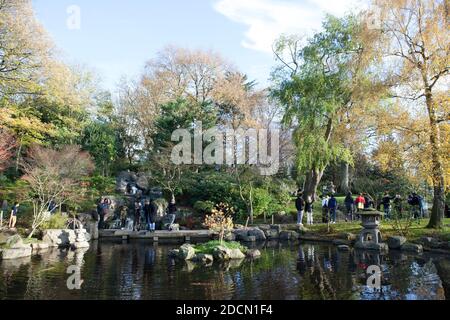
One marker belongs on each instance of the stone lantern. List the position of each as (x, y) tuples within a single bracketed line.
[(370, 236)]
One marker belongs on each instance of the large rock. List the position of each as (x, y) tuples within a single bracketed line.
[(236, 254), (39, 246), (222, 253), (14, 242), (175, 253), (272, 234), (92, 229), (17, 253), (142, 181), (59, 237), (187, 252), (258, 234), (240, 234), (412, 247), (395, 242), (80, 241), (372, 246), (253, 253), (288, 235), (204, 258)]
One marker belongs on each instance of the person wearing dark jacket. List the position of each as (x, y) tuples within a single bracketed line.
[(150, 211), (300, 206), (349, 205), (332, 205)]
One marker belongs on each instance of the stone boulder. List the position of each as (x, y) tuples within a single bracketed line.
[(253, 253), (92, 229), (372, 246), (59, 237), (222, 253), (236, 254), (39, 246), (16, 253), (14, 242), (412, 247), (240, 234), (395, 242), (80, 241), (272, 234), (258, 234), (186, 252), (203, 258), (288, 235), (175, 253)]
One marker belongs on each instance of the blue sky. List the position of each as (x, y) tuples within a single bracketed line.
[(117, 37)]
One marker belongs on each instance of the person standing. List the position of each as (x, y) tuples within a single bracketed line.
[(332, 206), (349, 205), (398, 206), (325, 211), (3, 211), (360, 202), (300, 206), (13, 217), (309, 211), (386, 201), (137, 215), (148, 215)]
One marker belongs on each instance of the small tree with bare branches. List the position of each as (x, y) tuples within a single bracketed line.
[(54, 177)]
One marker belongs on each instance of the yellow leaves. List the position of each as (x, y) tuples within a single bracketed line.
[(27, 128), (218, 220)]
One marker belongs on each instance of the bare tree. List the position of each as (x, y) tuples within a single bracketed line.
[(54, 178)]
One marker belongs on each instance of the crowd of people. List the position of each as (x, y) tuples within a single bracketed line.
[(353, 206), (143, 215)]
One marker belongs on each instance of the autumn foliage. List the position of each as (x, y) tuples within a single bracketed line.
[(220, 220), (7, 146)]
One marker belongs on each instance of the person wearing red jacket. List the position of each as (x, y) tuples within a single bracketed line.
[(360, 202)]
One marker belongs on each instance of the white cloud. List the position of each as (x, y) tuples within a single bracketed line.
[(268, 19)]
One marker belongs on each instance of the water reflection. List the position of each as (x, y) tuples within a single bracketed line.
[(140, 270)]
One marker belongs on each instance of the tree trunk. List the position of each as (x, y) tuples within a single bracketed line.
[(344, 185), (312, 181), (437, 213)]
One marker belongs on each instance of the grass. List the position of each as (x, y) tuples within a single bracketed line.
[(208, 247), (417, 230)]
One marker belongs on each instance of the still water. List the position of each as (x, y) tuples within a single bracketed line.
[(139, 270)]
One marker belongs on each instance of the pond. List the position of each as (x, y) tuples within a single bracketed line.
[(285, 271)]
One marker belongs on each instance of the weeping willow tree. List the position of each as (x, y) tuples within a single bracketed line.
[(315, 83)]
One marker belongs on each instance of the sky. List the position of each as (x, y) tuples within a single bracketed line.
[(115, 38)]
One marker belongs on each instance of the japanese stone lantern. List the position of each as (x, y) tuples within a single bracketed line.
[(370, 236)]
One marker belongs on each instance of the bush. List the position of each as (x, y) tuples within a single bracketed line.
[(56, 221), (208, 248), (203, 207)]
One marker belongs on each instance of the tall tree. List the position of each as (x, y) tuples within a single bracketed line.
[(414, 37), (317, 84)]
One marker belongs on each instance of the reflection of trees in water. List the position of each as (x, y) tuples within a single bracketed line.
[(140, 270)]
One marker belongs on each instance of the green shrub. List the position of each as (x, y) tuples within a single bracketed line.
[(208, 248), (203, 207), (56, 221)]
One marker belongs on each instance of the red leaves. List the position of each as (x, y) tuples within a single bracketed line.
[(7, 145)]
